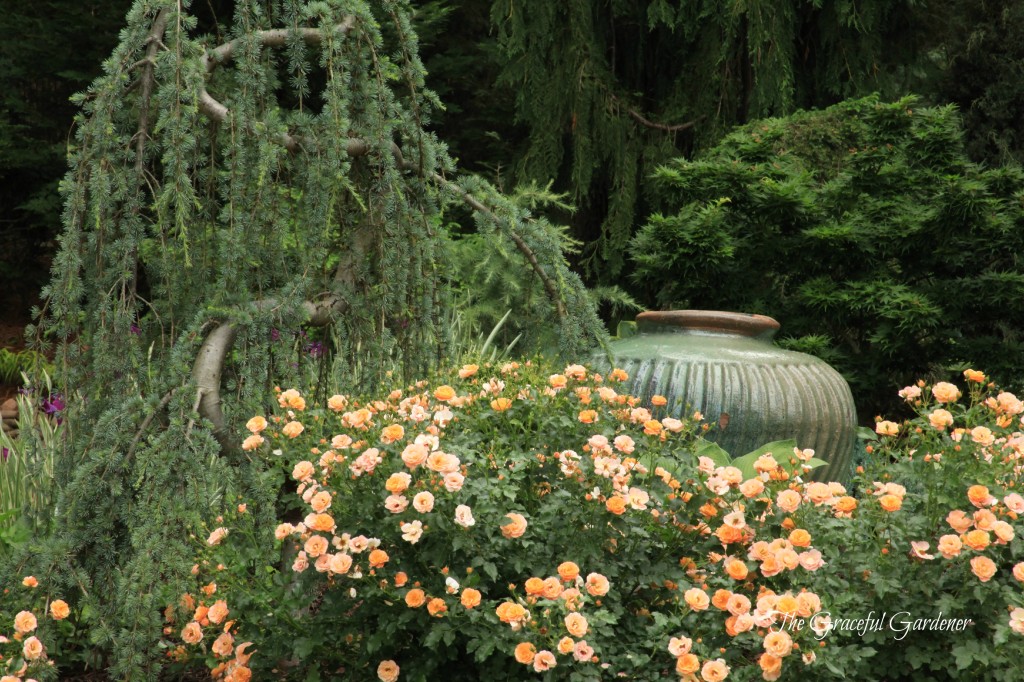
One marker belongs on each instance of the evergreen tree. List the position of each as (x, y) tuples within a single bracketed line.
[(864, 228), (270, 173), (608, 90)]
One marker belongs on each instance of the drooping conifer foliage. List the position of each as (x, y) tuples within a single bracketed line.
[(233, 182), (607, 90)]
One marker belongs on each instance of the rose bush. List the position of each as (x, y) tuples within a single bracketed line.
[(506, 522), (516, 522)]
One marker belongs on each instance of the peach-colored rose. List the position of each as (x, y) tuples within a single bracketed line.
[(1014, 503), (771, 666), (751, 488), (974, 375), (192, 633), (810, 561), (32, 649), (959, 521), (315, 545), (59, 609), (945, 392), (216, 536), (597, 585), (464, 516), (337, 403), (468, 371), (714, 671), (256, 424), (1018, 571), (303, 471), (983, 567), (616, 504), (1003, 531), (25, 622), (887, 428), (544, 660), (398, 482), (470, 598), (567, 571), (890, 503), (910, 393), (387, 671), (320, 522), (437, 607), (737, 604), (252, 442), (788, 500), (218, 612), (736, 569), (949, 546), (525, 652), (339, 563), (414, 455), (444, 393), (423, 502), (415, 598), (576, 624), (501, 404), (677, 646), (940, 419), (800, 538), (976, 539), (982, 435), (292, 429), (778, 643), (980, 496), (377, 558), (687, 664), (583, 652), (391, 433), (29, 581), (697, 599), (396, 504), (224, 645), (516, 526), (510, 612)]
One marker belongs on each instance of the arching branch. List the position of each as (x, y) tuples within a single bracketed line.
[(209, 364), (661, 126)]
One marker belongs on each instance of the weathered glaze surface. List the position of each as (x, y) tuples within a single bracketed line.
[(725, 366)]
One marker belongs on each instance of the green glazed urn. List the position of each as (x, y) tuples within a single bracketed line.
[(725, 366)]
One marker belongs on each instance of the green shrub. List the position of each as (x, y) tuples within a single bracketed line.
[(712, 566), (863, 228)]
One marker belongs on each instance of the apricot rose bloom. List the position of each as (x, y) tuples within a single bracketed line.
[(470, 598), (292, 429), (945, 392), (256, 424), (516, 527), (714, 671), (949, 546), (192, 633), (525, 653), (788, 500), (444, 393), (544, 660), (697, 599), (387, 671), (940, 419), (415, 598), (25, 622), (983, 567), (567, 571), (597, 585), (887, 428), (59, 609), (687, 664), (576, 624), (218, 612), (32, 649)]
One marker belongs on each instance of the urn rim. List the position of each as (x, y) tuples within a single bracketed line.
[(714, 321)]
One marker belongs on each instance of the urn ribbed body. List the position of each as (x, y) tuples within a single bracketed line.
[(725, 366)]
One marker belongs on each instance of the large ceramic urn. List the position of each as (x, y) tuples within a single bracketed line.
[(726, 366)]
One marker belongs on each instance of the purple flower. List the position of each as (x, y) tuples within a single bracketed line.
[(315, 349), (4, 455), (54, 404), (274, 335), (135, 329)]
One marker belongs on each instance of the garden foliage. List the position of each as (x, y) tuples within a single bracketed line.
[(251, 197), (516, 521), (862, 227)]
